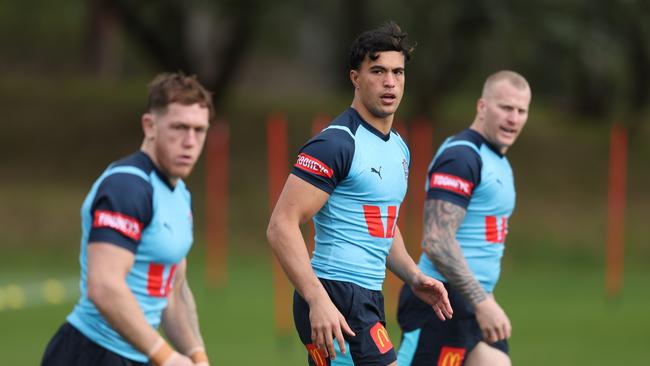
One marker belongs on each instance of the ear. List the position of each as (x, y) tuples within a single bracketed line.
[(354, 78), (148, 126), (480, 107)]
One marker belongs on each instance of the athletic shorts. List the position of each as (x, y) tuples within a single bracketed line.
[(363, 309), (69, 347), (426, 340)]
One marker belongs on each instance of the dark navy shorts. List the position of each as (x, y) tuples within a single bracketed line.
[(426, 340), (363, 309), (69, 347)]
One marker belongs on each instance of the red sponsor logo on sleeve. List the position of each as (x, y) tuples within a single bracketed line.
[(451, 356), (126, 225), (312, 165), (451, 183), (380, 336), (316, 355)]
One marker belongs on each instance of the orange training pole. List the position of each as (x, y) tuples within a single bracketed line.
[(217, 179), (277, 146), (421, 145), (616, 212)]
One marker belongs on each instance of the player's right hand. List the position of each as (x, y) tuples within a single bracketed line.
[(176, 359), (327, 322), (492, 320)]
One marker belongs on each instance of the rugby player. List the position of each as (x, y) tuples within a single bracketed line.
[(136, 232), (470, 197), (351, 179)]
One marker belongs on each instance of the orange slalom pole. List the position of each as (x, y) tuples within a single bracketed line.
[(421, 145), (277, 152), (616, 212), (217, 180)]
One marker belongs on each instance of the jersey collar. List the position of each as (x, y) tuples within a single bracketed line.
[(486, 142), (368, 126), (159, 173)]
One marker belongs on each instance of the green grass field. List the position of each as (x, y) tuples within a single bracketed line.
[(559, 313), (552, 285)]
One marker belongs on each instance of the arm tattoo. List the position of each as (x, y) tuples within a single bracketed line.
[(441, 221)]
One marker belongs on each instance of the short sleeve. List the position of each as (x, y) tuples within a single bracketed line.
[(325, 160), (121, 210), (454, 175)]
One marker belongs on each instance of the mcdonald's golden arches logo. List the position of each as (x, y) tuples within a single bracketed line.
[(451, 356), (316, 354), (380, 336)]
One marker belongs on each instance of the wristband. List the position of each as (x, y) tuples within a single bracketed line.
[(160, 352), (197, 354)]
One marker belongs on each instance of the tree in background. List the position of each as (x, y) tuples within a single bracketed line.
[(206, 38), (592, 57)]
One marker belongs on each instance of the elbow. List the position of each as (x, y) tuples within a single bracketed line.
[(278, 232), (95, 292), (431, 247), (99, 289), (273, 233)]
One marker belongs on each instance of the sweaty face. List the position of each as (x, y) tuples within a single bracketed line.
[(178, 136), (380, 83), (502, 114)]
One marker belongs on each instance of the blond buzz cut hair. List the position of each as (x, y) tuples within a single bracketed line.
[(515, 79)]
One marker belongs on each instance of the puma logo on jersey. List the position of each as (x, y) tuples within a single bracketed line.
[(378, 172)]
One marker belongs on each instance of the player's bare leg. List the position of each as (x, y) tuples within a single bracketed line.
[(483, 355)]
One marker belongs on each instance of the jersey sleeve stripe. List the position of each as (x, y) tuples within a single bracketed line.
[(451, 183), (342, 128), (124, 224), (310, 164)]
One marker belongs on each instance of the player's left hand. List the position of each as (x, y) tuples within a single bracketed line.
[(432, 292)]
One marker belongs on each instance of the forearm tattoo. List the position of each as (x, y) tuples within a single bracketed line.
[(441, 221)]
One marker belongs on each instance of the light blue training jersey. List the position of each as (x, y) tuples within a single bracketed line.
[(365, 173), (471, 173), (133, 205)]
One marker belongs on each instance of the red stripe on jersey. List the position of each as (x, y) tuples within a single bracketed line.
[(155, 280), (392, 214), (373, 220), (124, 224), (492, 232), (491, 229), (451, 183), (170, 278), (312, 165)]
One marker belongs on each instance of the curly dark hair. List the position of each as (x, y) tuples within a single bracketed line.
[(388, 37)]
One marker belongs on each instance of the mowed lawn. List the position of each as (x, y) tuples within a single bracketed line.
[(559, 313)]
